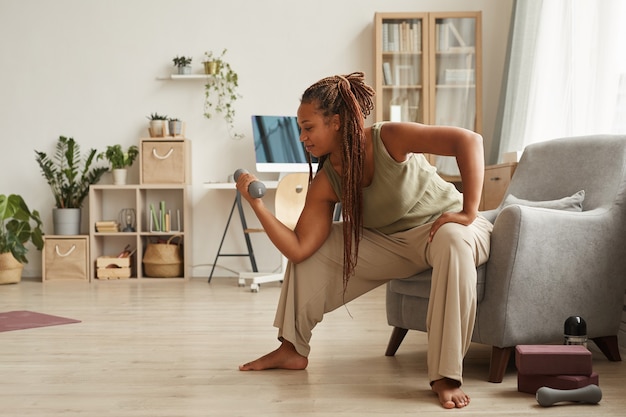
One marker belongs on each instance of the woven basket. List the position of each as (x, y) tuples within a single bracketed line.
[(163, 259), (10, 269)]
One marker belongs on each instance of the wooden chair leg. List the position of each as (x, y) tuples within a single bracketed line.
[(397, 336), (499, 361), (609, 346)]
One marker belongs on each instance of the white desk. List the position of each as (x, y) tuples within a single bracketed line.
[(270, 185)]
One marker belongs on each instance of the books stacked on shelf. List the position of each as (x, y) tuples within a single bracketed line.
[(402, 36), (110, 226), (459, 76), (162, 220)]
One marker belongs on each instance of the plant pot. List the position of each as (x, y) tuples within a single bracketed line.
[(119, 176), (175, 127), (211, 67), (10, 269), (66, 221), (186, 70), (158, 128)]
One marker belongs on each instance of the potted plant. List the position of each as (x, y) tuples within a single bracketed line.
[(17, 229), (183, 64), (175, 126), (158, 125), (220, 90), (119, 161), (69, 176)]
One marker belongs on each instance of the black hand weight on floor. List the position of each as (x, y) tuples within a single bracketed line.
[(256, 188), (591, 394)]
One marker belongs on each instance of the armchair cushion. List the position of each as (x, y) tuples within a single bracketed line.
[(571, 203)]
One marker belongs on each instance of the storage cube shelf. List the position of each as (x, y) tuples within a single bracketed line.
[(165, 167), (106, 203)]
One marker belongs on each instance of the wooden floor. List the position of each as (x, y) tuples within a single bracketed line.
[(171, 348)]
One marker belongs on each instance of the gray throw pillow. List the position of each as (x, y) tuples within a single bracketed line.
[(571, 203)]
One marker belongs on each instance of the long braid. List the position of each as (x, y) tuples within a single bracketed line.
[(350, 98)]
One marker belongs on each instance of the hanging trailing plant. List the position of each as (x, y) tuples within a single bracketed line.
[(220, 90)]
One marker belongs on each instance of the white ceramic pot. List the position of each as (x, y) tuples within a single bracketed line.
[(119, 176)]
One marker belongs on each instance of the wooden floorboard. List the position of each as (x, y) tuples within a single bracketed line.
[(171, 348)]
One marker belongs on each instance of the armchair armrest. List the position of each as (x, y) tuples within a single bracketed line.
[(546, 265)]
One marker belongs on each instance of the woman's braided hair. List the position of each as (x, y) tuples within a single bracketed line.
[(349, 97)]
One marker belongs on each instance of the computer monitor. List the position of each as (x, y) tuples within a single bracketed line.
[(277, 145)]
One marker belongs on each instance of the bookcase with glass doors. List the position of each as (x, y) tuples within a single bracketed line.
[(428, 70)]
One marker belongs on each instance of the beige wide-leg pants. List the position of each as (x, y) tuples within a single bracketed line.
[(315, 286)]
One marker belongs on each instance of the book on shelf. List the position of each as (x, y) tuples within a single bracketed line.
[(404, 36), (449, 39), (107, 226), (387, 80), (162, 220)]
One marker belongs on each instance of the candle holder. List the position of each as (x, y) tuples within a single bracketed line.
[(127, 219)]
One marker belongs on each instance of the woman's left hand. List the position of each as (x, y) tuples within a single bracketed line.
[(450, 217)]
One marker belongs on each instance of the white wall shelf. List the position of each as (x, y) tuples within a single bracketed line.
[(184, 77)]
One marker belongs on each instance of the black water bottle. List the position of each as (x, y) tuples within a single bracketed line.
[(575, 331)]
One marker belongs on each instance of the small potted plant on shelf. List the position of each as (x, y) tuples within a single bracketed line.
[(183, 64), (175, 126), (220, 90), (158, 125), (17, 229), (119, 161), (69, 176)]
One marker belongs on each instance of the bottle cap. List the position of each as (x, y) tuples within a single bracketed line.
[(575, 326)]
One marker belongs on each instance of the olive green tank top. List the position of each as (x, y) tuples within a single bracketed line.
[(402, 195)]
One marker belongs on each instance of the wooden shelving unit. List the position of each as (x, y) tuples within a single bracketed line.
[(107, 201)]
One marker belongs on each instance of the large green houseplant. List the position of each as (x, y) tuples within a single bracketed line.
[(69, 175), (19, 226), (220, 90)]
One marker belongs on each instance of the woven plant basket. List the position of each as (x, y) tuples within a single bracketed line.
[(10, 269), (163, 259)]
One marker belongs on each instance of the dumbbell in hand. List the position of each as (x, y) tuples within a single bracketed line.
[(256, 188), (591, 394)]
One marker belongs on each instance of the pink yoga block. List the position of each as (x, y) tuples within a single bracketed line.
[(531, 383), (553, 360)]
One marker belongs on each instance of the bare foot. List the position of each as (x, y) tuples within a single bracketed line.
[(450, 394), (285, 357)]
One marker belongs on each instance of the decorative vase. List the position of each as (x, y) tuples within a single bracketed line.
[(10, 269), (66, 221), (211, 67), (119, 176)]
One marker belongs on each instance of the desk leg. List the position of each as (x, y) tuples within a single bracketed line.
[(244, 225)]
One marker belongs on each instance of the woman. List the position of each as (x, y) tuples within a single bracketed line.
[(399, 218)]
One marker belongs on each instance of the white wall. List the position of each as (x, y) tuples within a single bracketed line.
[(88, 69)]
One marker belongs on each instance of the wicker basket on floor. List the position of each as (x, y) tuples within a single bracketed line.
[(163, 259)]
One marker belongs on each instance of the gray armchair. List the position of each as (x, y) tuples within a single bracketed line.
[(546, 264)]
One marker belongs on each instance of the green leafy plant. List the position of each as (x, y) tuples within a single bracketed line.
[(156, 116), (220, 90), (118, 158), (18, 228), (69, 175), (182, 61)]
